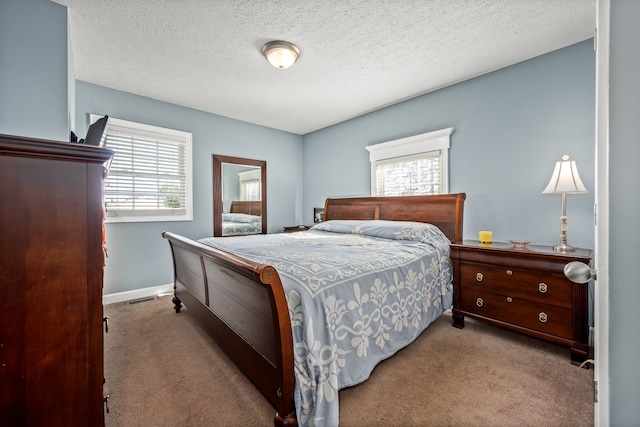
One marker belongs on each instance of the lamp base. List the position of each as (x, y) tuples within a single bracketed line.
[(563, 247)]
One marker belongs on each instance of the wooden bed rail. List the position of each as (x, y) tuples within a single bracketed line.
[(250, 315)]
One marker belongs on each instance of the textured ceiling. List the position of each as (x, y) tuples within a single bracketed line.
[(356, 55)]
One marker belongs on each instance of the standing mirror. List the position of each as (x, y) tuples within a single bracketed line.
[(239, 196)]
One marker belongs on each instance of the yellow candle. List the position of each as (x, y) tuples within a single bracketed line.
[(485, 236)]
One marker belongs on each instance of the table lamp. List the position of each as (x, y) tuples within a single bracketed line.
[(565, 180)]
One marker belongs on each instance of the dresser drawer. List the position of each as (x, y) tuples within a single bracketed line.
[(518, 283), (545, 318)]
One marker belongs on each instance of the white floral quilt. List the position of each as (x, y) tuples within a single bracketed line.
[(357, 291)]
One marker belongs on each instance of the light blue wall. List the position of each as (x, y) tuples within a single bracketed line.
[(138, 256), (511, 126), (71, 84), (33, 69), (624, 200), (231, 183)]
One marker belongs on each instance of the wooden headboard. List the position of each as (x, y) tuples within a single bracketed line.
[(246, 207), (445, 211)]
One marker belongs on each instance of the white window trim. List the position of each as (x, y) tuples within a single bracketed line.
[(438, 140), (161, 133), (252, 175)]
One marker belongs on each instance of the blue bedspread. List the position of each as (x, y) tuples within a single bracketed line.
[(238, 223), (357, 291)]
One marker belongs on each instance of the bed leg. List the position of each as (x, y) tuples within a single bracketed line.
[(289, 420), (458, 320), (177, 304)]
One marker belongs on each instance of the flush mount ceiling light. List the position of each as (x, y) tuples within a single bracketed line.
[(281, 54)]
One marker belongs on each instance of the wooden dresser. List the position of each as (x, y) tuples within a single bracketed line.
[(524, 290), (51, 266)]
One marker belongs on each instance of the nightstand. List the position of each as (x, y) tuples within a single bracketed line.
[(524, 290), (294, 228)]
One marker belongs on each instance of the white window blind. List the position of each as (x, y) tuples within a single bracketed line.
[(250, 187), (409, 176), (417, 165), (149, 178), (250, 190)]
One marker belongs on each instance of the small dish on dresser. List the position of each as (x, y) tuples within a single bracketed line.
[(520, 244)]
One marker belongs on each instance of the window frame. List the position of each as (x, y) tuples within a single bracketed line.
[(164, 134), (247, 178), (413, 147)]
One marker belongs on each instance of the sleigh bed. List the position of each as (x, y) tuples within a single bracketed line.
[(247, 300)]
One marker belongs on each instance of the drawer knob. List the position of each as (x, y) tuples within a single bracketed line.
[(509, 272), (509, 299), (542, 287), (479, 277), (479, 302), (543, 317)]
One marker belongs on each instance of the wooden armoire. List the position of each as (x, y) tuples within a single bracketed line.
[(51, 267)]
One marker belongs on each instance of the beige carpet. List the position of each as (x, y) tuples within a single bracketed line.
[(162, 369)]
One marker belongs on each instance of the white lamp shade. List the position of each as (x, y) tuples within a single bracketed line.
[(565, 179), (281, 54)]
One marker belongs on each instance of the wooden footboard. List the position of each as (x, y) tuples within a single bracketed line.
[(241, 304)]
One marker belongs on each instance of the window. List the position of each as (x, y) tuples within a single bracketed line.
[(416, 165), (250, 185), (149, 177)]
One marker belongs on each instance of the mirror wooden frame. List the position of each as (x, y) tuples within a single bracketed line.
[(218, 207)]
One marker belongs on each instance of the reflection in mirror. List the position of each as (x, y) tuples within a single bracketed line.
[(239, 196)]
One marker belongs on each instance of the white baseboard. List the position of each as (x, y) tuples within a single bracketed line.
[(137, 294)]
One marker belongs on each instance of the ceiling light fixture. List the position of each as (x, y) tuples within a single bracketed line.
[(281, 54)]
